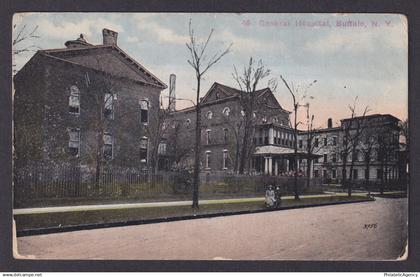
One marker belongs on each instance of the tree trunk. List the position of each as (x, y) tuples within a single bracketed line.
[(295, 181), (99, 151), (308, 172), (244, 149), (367, 173), (196, 177), (344, 171)]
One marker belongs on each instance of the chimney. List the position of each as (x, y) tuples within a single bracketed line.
[(109, 37), (329, 123), (172, 96)]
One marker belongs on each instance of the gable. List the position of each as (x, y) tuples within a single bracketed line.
[(270, 100), (108, 59), (214, 94)]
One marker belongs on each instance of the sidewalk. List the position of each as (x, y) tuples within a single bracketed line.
[(27, 211)]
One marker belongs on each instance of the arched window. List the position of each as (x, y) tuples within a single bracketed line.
[(74, 100), (109, 105), (188, 122), (144, 111), (209, 115), (226, 111)]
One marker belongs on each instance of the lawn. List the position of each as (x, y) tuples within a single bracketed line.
[(145, 214)]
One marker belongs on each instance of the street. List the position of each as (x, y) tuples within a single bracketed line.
[(373, 230)]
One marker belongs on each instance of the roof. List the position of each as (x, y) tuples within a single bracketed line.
[(371, 116), (117, 62), (279, 150), (229, 92)]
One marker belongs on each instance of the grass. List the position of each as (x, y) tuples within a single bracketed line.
[(62, 219)]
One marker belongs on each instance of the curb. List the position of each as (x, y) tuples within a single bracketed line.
[(71, 228)]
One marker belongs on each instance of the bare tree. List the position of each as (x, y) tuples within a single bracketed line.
[(296, 105), (351, 129), (310, 146), (200, 62), (248, 81), (22, 36), (368, 143), (157, 131)]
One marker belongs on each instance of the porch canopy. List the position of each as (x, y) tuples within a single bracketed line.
[(273, 159), (274, 150)]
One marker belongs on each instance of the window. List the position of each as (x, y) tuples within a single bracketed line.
[(275, 120), (162, 148), (242, 112), (225, 135), (208, 137), (225, 159), (74, 142), (226, 111), (334, 158), (143, 149), (108, 146), (265, 136), (316, 173), (264, 119), (300, 144), (144, 111), (208, 159), (188, 122), (334, 141), (355, 173), (334, 174), (316, 142), (325, 141), (109, 106), (366, 174), (324, 173), (325, 158), (74, 100), (379, 174), (209, 115)]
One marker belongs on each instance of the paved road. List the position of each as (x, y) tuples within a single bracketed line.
[(321, 233)]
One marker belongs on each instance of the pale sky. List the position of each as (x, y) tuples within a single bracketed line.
[(367, 59)]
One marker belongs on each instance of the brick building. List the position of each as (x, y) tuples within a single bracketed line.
[(83, 104), (273, 140), (222, 124), (377, 149)]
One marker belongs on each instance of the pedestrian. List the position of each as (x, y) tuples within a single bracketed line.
[(269, 197), (277, 194)]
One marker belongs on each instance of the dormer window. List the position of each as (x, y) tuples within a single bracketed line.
[(144, 111), (209, 115), (74, 100)]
